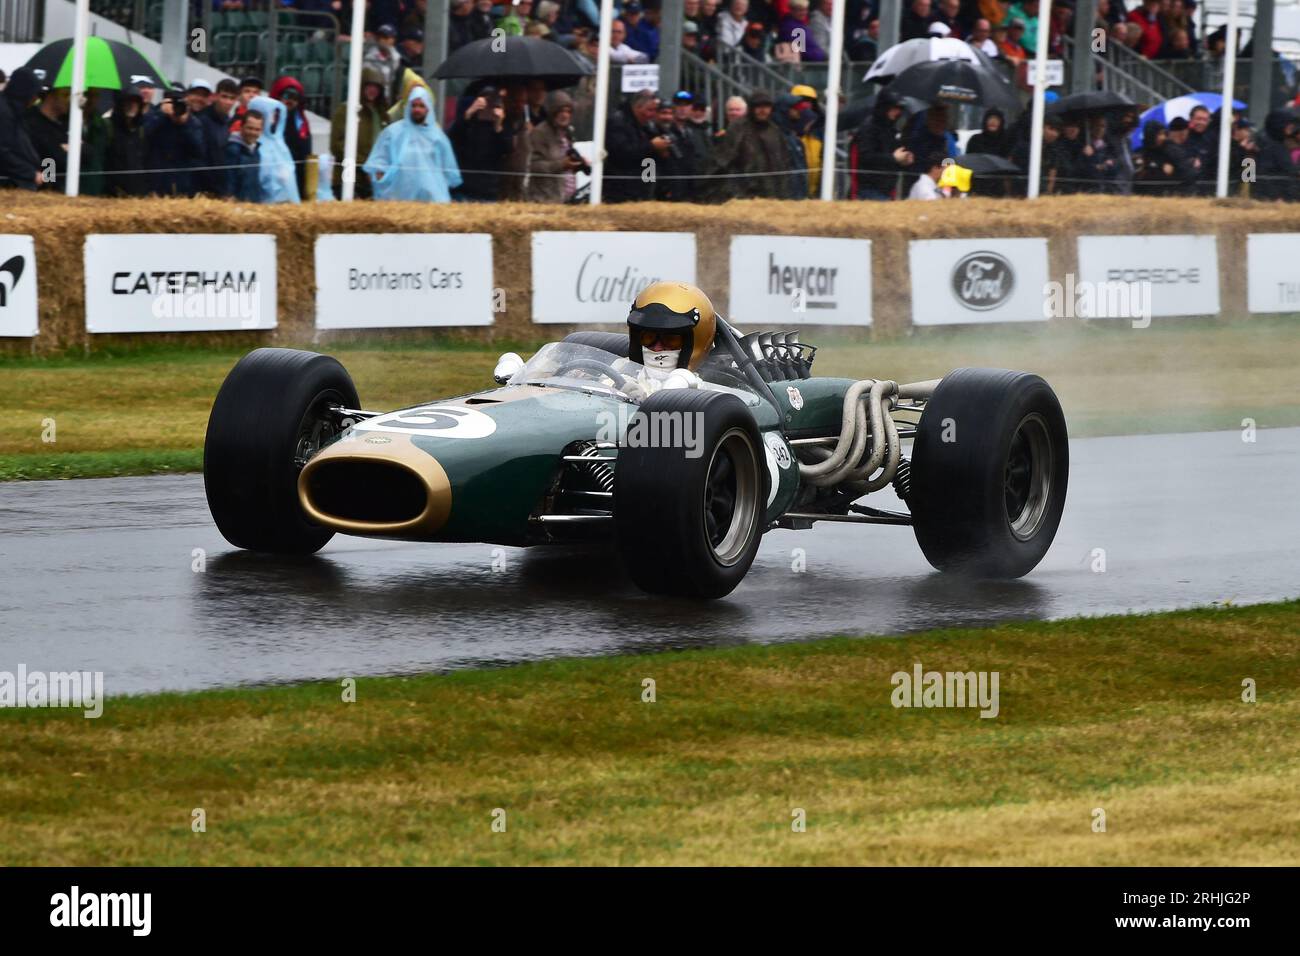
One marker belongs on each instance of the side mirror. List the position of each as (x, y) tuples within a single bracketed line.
[(507, 366)]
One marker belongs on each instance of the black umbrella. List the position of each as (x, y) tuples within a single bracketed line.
[(1092, 101), (515, 58), (956, 81), (986, 163)]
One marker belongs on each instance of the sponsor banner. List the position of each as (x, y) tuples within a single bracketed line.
[(17, 286), (959, 281), (403, 280), (788, 280), (1272, 272), (640, 76), (595, 276), (1181, 273), (180, 283)]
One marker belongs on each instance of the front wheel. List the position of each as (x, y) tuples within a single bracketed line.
[(271, 415), (690, 489), (989, 470)]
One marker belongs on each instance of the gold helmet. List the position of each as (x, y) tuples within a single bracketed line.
[(669, 309)]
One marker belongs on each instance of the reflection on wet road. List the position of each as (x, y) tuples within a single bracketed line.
[(98, 575)]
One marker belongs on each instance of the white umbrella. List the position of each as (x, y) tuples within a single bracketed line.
[(920, 50)]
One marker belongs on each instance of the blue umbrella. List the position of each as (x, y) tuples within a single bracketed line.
[(1182, 106)]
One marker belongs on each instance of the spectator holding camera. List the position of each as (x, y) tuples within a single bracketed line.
[(553, 163), (173, 146), (482, 143), (633, 147)]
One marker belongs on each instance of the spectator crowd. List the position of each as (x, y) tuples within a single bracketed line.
[(518, 141)]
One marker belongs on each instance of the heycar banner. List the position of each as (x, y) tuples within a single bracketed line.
[(180, 283), (1273, 272), (595, 276), (1176, 275), (789, 280), (17, 286), (403, 280), (961, 281)]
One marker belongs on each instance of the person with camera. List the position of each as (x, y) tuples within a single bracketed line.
[(482, 142), (174, 146), (553, 163), (635, 150)]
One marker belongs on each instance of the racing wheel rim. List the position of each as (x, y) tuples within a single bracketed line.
[(1027, 476), (316, 430), (731, 489)]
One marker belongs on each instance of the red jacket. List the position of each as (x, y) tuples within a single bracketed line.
[(1152, 37), (298, 125)]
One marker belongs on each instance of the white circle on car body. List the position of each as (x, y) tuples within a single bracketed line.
[(434, 421)]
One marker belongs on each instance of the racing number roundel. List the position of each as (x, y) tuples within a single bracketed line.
[(438, 421)]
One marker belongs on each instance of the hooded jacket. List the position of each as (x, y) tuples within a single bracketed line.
[(19, 161), (414, 161), (172, 150), (126, 148), (872, 169), (297, 130), (994, 143), (1277, 174), (549, 145), (371, 120), (277, 172), (760, 157)]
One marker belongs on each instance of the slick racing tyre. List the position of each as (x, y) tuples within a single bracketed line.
[(688, 514), (269, 418), (989, 468)]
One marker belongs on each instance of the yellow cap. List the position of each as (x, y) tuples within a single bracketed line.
[(804, 90)]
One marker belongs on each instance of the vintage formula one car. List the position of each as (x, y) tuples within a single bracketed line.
[(573, 445)]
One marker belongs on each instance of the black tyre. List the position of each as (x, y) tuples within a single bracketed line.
[(688, 520), (268, 419), (989, 470)]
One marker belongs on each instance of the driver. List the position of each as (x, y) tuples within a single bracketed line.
[(670, 332)]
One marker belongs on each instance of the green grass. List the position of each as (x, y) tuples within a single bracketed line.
[(146, 411), (1141, 717)]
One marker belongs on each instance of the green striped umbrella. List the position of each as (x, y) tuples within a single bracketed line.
[(110, 65)]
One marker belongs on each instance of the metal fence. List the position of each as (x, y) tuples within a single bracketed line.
[(21, 21)]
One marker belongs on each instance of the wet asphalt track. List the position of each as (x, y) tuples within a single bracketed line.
[(96, 575)]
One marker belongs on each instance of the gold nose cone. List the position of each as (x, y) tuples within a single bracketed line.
[(381, 450)]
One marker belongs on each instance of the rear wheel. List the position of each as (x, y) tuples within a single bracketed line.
[(270, 417), (988, 475), (688, 514)]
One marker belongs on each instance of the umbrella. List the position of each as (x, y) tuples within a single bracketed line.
[(919, 50), (853, 115), (956, 81), (513, 58), (110, 65), (986, 163), (1091, 102), (1180, 106)]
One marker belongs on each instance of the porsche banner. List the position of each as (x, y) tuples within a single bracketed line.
[(180, 283), (800, 280), (595, 276), (404, 280), (17, 286), (1174, 275)]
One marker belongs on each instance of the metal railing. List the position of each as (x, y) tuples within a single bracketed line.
[(21, 21)]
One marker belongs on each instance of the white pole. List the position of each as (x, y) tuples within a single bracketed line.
[(1225, 110), (831, 134), (1040, 81), (602, 101), (354, 100), (81, 28)]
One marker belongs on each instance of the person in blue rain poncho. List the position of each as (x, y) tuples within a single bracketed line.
[(279, 181), (413, 158)]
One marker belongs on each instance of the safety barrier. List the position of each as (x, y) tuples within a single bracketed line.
[(479, 272)]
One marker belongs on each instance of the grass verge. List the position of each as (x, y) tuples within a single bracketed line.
[(147, 411), (1141, 717)]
